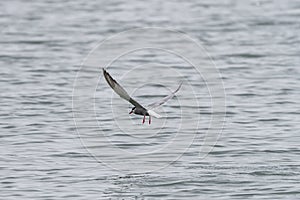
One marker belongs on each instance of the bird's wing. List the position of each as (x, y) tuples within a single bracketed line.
[(154, 114), (164, 100), (119, 89)]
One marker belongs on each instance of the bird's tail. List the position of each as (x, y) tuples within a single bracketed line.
[(154, 114)]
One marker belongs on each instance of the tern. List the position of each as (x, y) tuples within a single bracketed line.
[(138, 109)]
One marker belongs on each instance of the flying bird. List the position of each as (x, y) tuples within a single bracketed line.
[(138, 109)]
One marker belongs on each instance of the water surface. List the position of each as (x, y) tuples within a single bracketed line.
[(254, 44)]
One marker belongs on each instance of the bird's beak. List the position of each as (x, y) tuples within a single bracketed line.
[(130, 112)]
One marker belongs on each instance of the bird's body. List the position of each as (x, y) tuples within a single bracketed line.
[(141, 111), (138, 109)]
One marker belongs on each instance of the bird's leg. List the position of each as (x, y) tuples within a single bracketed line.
[(149, 119), (144, 119)]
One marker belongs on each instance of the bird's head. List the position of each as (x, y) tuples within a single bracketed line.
[(132, 110)]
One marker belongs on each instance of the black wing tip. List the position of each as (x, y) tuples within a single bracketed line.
[(109, 79), (180, 83), (106, 74)]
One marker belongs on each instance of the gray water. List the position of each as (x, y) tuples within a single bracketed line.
[(255, 46)]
